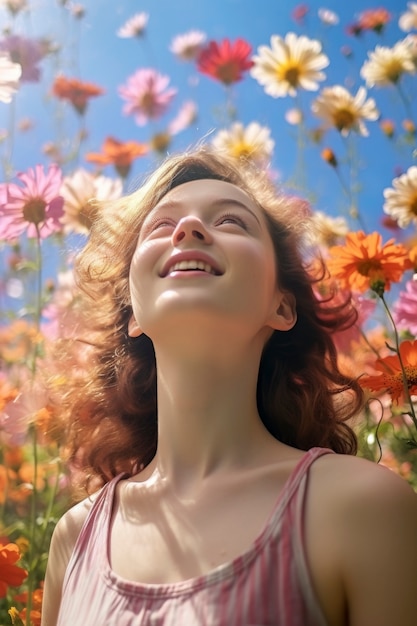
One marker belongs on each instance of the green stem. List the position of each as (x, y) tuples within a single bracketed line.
[(32, 558), (403, 372)]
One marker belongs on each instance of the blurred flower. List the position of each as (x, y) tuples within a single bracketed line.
[(9, 77), (374, 19), (294, 116), (409, 127), (408, 20), (225, 61), (328, 230), (329, 156), (186, 116), (401, 198), (346, 51), (25, 124), (387, 127), (252, 142), (405, 308), (35, 207), (386, 65), (27, 53), (77, 190), (187, 47), (363, 262), (135, 26), (11, 575), (77, 10), (338, 108), (121, 154), (18, 414), (17, 341), (299, 13), (147, 95), (290, 64), (330, 18), (14, 6), (391, 377), (75, 91)]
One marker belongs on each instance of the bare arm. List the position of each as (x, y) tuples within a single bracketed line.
[(63, 541), (362, 543), (379, 553)]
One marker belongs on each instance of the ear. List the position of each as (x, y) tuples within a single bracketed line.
[(133, 328), (284, 316)]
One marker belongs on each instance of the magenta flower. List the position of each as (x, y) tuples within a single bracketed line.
[(147, 95), (405, 309), (27, 53), (35, 207)]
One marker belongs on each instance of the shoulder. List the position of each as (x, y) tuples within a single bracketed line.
[(63, 541), (365, 519)]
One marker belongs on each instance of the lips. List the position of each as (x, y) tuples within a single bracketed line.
[(191, 260)]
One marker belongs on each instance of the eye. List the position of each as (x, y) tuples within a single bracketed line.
[(159, 223), (231, 218)]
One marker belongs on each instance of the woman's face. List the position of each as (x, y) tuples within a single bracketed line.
[(205, 257)]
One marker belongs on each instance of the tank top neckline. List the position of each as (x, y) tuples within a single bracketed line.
[(230, 568)]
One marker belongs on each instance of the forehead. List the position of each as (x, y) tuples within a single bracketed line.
[(206, 192)]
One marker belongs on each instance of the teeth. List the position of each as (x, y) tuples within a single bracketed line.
[(192, 265)]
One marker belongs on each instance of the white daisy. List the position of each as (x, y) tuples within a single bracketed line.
[(187, 46), (134, 27), (408, 20), (386, 65), (330, 18), (328, 231), (289, 64), (338, 108), (252, 142), (77, 190), (9, 77), (401, 198)]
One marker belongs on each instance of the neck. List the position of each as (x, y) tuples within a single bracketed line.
[(207, 414)]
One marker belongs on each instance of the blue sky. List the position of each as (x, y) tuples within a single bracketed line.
[(90, 50)]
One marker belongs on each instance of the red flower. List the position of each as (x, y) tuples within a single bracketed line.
[(76, 91), (225, 61), (10, 574)]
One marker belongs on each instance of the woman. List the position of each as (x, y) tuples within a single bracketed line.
[(212, 410)]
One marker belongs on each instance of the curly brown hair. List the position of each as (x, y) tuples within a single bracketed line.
[(108, 405)]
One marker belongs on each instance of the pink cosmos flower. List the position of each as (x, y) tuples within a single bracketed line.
[(36, 207), (27, 53), (405, 309), (20, 413), (184, 118), (147, 95)]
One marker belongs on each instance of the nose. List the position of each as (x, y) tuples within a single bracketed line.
[(191, 227)]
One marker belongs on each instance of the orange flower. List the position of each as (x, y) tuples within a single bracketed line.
[(391, 378), (225, 61), (10, 574), (76, 91), (365, 263), (374, 19), (121, 154)]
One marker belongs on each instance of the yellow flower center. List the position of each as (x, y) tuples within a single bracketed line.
[(292, 75), (160, 141), (368, 267), (34, 210), (241, 149), (411, 375), (393, 70), (413, 205), (147, 102), (343, 118)]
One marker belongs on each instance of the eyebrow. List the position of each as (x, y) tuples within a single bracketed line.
[(173, 204)]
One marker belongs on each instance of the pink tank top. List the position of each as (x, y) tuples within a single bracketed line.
[(268, 585)]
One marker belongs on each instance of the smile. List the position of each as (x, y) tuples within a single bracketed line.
[(184, 266)]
